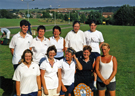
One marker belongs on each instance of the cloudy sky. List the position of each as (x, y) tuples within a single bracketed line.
[(18, 4)]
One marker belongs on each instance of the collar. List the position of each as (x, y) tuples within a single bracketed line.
[(23, 65), (74, 32), (85, 61), (64, 59), (39, 39), (55, 39), (48, 60), (91, 31), (18, 34)]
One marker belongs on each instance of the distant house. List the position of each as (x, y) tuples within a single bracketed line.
[(106, 14)]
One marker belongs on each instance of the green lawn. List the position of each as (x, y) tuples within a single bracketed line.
[(16, 22), (122, 42)]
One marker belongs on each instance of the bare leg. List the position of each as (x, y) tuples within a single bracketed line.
[(69, 94), (112, 93), (101, 92)]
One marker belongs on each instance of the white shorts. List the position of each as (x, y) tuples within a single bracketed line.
[(8, 35), (51, 92)]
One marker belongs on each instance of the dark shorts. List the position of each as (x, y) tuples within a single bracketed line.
[(110, 87), (30, 94), (69, 89)]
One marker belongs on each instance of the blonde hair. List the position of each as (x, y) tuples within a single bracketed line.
[(23, 56), (106, 44)]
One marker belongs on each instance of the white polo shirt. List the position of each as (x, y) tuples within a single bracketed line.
[(19, 44), (6, 31), (51, 77), (59, 45), (75, 40), (39, 48), (68, 71), (27, 77), (93, 39)]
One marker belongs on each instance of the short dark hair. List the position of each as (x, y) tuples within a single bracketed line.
[(41, 27), (24, 22), (93, 21), (76, 22), (50, 48), (87, 48), (57, 27), (26, 51)]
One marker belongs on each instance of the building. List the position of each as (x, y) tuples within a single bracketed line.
[(106, 14)]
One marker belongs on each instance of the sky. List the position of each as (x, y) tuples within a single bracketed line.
[(42, 4)]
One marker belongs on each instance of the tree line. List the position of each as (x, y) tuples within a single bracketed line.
[(124, 15)]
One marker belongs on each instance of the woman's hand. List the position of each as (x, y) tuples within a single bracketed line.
[(106, 82), (39, 93), (46, 92), (64, 89), (58, 89)]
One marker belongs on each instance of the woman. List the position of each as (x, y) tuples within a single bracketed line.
[(94, 38), (86, 75), (51, 74), (75, 38), (27, 76), (58, 41), (106, 69), (40, 44), (68, 71)]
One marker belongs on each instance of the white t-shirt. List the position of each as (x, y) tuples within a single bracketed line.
[(68, 71), (19, 44), (59, 45), (93, 39), (39, 48), (6, 31), (27, 77), (75, 40), (51, 77)]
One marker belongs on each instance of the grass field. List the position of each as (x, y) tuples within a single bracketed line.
[(16, 22), (122, 42)]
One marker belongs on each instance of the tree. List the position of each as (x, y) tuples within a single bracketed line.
[(66, 17), (46, 15), (82, 18), (74, 16), (6, 14), (109, 20), (96, 16), (125, 16), (61, 16)]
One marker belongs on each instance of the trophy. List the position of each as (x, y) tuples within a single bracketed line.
[(82, 90)]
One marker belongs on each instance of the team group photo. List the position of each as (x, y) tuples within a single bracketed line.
[(82, 53)]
